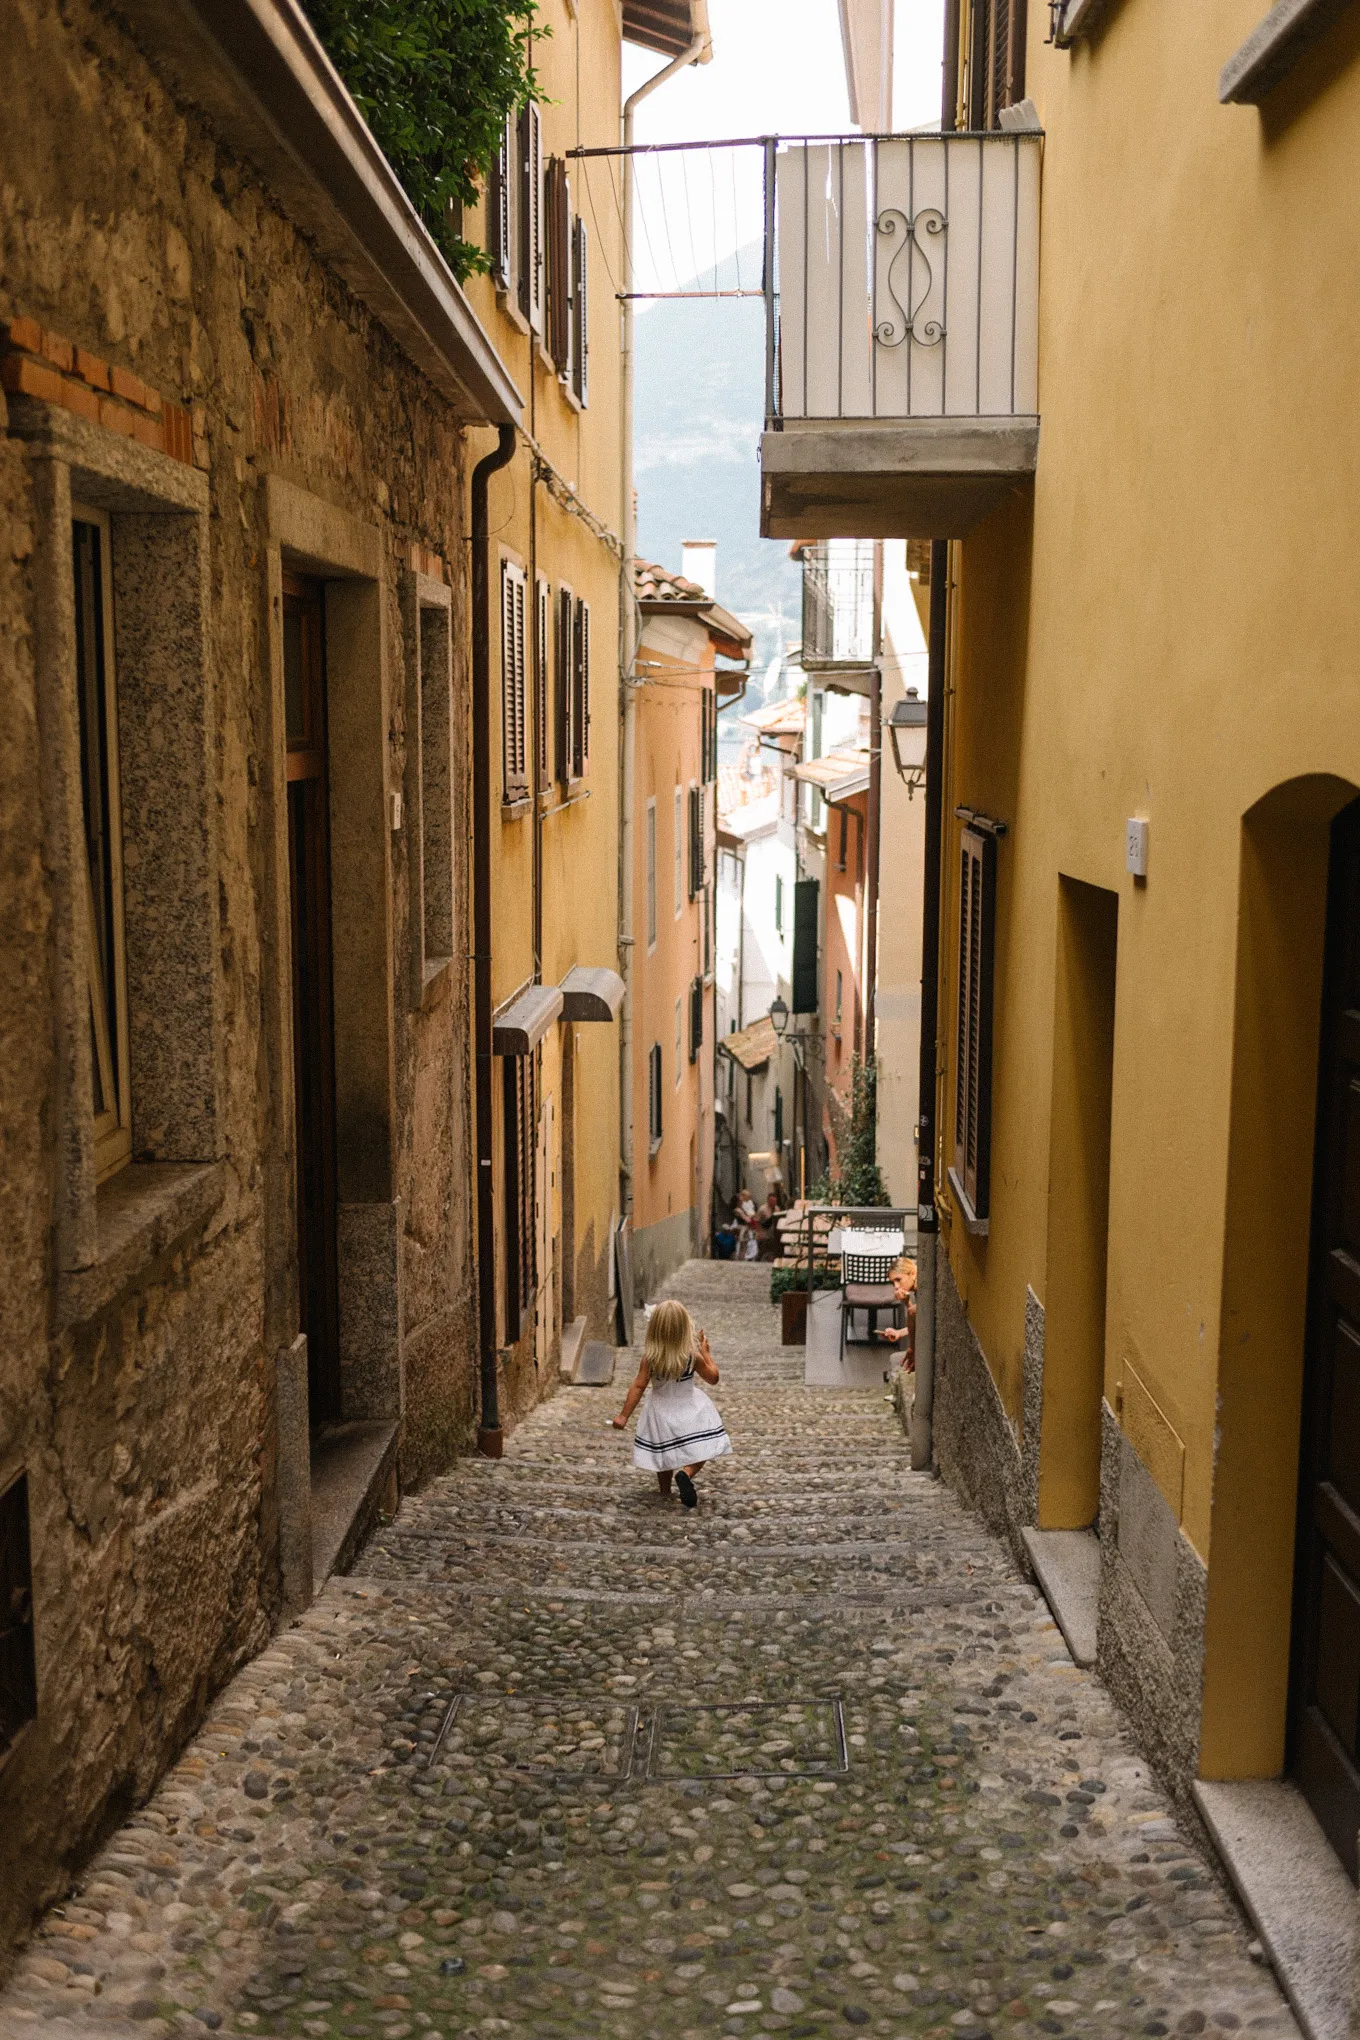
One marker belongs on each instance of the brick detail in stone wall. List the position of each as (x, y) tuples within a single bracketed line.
[(37, 363)]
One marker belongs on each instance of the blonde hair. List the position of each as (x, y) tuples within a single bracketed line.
[(670, 1342)]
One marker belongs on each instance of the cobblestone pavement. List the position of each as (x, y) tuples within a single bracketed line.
[(810, 1760)]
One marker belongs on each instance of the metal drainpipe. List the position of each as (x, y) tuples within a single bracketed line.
[(628, 631), (927, 1216), (490, 1438)]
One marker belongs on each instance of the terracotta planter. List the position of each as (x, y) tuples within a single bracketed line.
[(793, 1308)]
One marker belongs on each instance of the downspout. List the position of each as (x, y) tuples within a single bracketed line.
[(927, 1216), (490, 1437), (698, 50), (874, 835)]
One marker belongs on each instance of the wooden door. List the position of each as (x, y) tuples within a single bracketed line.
[(1324, 1738), (546, 1324), (309, 873)]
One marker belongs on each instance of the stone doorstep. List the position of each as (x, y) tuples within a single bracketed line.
[(1299, 1898), (1067, 1566), (598, 1362), (573, 1338), (353, 1476)]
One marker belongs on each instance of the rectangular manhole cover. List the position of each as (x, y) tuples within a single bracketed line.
[(557, 1738), (736, 1739)]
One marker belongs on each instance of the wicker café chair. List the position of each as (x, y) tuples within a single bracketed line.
[(867, 1258)]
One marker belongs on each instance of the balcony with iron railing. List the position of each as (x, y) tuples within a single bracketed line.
[(902, 315)]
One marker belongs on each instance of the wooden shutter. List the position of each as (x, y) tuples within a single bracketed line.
[(542, 675), (696, 1018), (971, 1172), (557, 220), (579, 304), (500, 207), (805, 893), (580, 690), (521, 1167), (997, 60), (654, 1095), (531, 216), (513, 717), (696, 840)]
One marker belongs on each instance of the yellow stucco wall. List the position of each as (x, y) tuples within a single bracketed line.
[(578, 61), (1170, 628)]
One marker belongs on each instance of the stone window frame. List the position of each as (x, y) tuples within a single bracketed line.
[(308, 535), (109, 1234), (429, 789)]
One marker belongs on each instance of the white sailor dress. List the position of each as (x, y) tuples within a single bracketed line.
[(678, 1425)]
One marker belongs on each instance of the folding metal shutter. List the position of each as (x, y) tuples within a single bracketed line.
[(531, 216), (513, 733), (973, 1047), (557, 212), (805, 894), (579, 304)]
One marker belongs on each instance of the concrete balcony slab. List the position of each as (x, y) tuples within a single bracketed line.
[(891, 478)]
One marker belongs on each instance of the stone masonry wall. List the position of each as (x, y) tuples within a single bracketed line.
[(147, 1428)]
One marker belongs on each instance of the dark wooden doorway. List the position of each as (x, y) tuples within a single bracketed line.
[(309, 872), (1324, 1724)]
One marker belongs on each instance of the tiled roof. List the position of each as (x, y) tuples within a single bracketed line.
[(654, 584), (753, 1046), (780, 719)]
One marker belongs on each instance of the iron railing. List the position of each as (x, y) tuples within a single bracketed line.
[(838, 604), (902, 277)]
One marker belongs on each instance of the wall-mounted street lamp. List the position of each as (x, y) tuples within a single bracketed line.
[(907, 729), (779, 1016)]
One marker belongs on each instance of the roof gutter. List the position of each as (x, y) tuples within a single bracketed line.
[(259, 71)]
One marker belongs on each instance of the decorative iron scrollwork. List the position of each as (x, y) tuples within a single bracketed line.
[(890, 222)]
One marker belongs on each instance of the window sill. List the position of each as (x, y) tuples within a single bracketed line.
[(653, 1150), (1273, 48), (511, 810), (569, 395), (142, 1215), (506, 305), (978, 1227)]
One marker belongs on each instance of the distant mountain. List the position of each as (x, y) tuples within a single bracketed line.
[(699, 384)]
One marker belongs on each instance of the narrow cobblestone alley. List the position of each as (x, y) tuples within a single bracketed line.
[(811, 1760)]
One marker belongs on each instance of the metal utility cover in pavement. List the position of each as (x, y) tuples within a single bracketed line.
[(553, 1738), (746, 1739)]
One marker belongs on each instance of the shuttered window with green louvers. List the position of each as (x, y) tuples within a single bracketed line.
[(805, 894)]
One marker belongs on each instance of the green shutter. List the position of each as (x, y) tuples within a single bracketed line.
[(805, 946)]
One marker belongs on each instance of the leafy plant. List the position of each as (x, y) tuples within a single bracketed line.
[(859, 1180), (435, 80), (784, 1279)]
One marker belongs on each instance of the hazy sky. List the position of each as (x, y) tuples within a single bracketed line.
[(777, 69)]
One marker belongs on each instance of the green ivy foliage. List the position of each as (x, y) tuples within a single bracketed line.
[(860, 1180), (435, 79)]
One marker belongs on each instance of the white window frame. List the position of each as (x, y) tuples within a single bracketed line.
[(515, 736), (112, 1127)]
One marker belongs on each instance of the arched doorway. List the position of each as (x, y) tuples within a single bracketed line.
[(1323, 1750)]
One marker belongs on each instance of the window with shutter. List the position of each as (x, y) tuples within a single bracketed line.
[(563, 667), (502, 209), (805, 896), (513, 713), (521, 1156), (580, 705), (996, 71), (651, 874), (970, 1174), (696, 841), (542, 675), (531, 216), (696, 1018), (580, 346), (654, 1096), (557, 216)]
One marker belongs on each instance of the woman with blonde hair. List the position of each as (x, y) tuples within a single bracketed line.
[(679, 1428)]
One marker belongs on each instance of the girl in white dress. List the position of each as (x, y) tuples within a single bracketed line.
[(679, 1428)]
